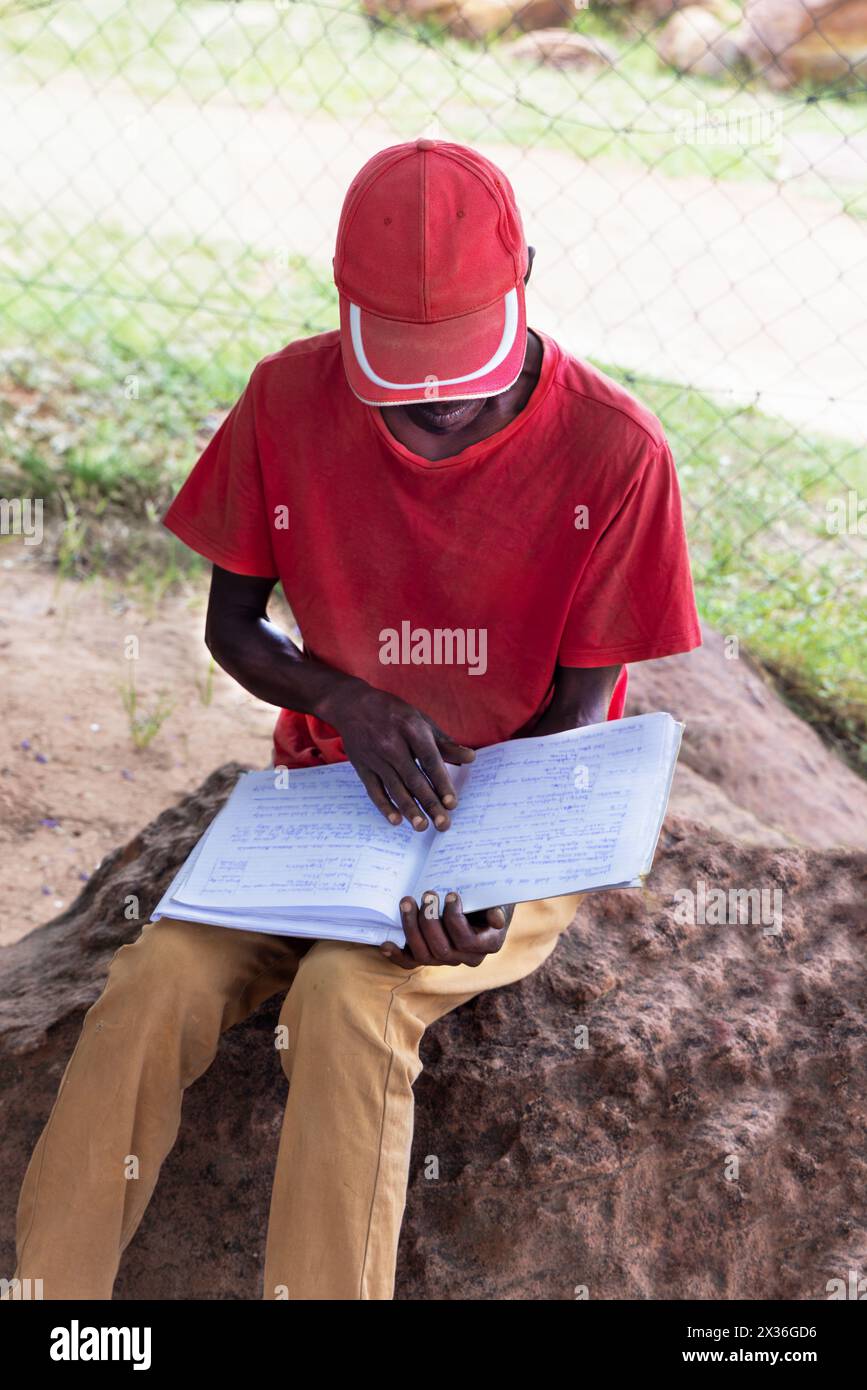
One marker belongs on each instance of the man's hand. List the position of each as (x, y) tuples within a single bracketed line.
[(455, 938), (385, 740)]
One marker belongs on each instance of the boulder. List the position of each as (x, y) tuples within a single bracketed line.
[(698, 40), (561, 48), (741, 737), (666, 1109), (476, 19), (793, 41), (646, 12)]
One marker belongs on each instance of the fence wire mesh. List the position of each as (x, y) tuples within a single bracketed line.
[(693, 180)]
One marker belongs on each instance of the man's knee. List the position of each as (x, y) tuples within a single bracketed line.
[(164, 964), (347, 996)]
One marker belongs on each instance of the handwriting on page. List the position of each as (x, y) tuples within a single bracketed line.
[(316, 842), (568, 827)]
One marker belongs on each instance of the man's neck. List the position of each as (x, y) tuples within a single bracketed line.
[(497, 412)]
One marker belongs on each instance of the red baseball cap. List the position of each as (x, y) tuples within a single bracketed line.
[(430, 264)]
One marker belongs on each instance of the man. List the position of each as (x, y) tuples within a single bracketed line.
[(432, 468)]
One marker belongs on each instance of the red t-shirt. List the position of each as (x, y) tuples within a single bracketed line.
[(458, 585)]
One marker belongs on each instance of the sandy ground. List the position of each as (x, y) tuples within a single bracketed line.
[(751, 290), (72, 782)]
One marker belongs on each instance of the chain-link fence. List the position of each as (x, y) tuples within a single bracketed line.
[(693, 180)]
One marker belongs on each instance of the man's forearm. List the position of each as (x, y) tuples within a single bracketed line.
[(581, 696), (263, 659), (268, 664)]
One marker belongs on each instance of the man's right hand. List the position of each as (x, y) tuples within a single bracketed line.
[(386, 740)]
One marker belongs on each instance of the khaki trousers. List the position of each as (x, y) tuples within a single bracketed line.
[(352, 1022)]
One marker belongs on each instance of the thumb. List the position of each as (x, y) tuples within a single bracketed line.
[(452, 751)]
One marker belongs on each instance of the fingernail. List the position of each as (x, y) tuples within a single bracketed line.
[(395, 819), (450, 800), (440, 822), (419, 823), (451, 897), (406, 905)]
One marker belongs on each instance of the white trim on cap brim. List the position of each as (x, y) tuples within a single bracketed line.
[(511, 319)]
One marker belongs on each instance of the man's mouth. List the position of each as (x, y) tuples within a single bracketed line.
[(439, 415)]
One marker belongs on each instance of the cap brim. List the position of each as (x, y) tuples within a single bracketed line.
[(391, 362)]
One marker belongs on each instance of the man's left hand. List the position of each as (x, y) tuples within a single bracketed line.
[(451, 938)]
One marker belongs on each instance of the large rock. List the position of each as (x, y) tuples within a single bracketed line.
[(745, 741), (561, 48), (699, 40), (791, 41), (707, 1141), (646, 12), (477, 19)]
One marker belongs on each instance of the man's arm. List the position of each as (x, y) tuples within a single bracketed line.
[(382, 735), (581, 696)]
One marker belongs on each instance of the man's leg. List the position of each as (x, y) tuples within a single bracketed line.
[(354, 1023), (154, 1029)]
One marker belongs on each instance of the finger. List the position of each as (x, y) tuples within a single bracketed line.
[(434, 933), (424, 747), (415, 942), (424, 794), (400, 796), (465, 935), (496, 917), (376, 791), (451, 750), (398, 957)]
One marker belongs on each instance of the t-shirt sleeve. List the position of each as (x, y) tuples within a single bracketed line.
[(221, 511), (634, 599)]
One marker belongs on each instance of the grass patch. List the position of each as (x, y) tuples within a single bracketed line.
[(771, 563), (113, 379)]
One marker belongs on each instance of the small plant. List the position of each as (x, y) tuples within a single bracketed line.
[(206, 687), (144, 725), (72, 538)]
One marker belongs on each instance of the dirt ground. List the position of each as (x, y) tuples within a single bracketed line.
[(73, 784)]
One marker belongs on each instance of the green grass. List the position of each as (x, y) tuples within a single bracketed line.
[(327, 60), (108, 460), (767, 568), (118, 355)]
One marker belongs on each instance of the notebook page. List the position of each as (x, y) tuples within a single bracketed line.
[(543, 816), (315, 842)]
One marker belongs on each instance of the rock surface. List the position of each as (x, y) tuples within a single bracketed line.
[(792, 41), (706, 1141), (561, 48), (698, 40), (477, 19), (744, 740)]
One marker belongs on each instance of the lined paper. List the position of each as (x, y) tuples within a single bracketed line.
[(543, 816)]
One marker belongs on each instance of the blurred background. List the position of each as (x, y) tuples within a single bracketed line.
[(693, 178)]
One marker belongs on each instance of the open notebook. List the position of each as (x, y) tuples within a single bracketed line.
[(305, 853)]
